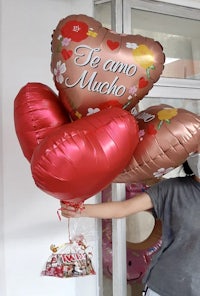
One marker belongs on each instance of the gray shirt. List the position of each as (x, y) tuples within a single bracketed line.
[(175, 269)]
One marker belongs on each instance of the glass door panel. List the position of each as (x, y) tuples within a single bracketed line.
[(102, 13), (180, 38)]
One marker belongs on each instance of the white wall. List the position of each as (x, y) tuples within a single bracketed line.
[(187, 3), (28, 219)]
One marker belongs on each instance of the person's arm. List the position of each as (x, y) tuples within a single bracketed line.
[(108, 210)]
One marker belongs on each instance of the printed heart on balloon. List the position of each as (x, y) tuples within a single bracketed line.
[(93, 66)]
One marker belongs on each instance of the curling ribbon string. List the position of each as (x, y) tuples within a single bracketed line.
[(68, 228)]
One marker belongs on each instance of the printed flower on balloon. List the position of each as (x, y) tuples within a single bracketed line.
[(165, 115)]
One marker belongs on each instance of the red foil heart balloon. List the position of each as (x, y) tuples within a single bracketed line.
[(167, 136), (79, 159), (37, 112), (93, 66)]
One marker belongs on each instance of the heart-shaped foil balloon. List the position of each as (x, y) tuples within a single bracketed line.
[(79, 159), (95, 68), (167, 136)]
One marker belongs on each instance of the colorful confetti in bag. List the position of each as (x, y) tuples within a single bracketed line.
[(70, 259)]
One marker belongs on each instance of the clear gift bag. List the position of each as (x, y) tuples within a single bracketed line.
[(72, 258)]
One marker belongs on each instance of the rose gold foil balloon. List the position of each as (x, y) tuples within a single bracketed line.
[(81, 158), (37, 112), (95, 68), (167, 136)]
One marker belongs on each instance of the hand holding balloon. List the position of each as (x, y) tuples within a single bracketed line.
[(69, 211)]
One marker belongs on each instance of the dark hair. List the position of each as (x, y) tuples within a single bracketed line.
[(187, 169)]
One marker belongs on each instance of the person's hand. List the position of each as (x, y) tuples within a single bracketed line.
[(71, 210)]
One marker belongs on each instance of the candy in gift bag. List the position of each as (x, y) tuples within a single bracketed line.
[(71, 259)]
